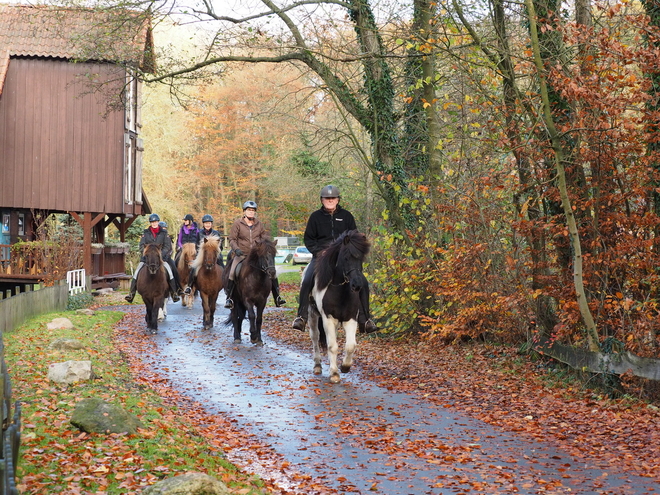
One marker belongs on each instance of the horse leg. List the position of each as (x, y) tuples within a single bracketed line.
[(252, 316), (330, 325), (237, 322), (256, 336), (205, 305), (313, 320), (212, 301), (350, 328)]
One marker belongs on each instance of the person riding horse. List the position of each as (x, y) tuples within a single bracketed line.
[(189, 232), (207, 230), (243, 234), (155, 234), (324, 226)]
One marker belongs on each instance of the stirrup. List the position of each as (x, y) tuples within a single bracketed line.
[(187, 291), (175, 297), (229, 304), (279, 302), (129, 297)]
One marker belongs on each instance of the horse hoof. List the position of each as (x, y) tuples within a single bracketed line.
[(317, 369), (258, 342), (335, 378), (344, 369), (237, 341)]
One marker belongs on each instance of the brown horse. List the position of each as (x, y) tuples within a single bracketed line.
[(186, 258), (152, 285), (208, 276), (252, 287)]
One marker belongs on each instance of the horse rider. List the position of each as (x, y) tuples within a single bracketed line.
[(155, 234), (243, 234), (189, 232), (207, 231), (324, 226)]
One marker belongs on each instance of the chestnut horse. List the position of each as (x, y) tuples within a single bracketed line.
[(252, 286), (208, 276), (338, 280), (152, 285), (186, 258)]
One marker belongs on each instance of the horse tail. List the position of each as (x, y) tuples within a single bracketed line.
[(323, 339)]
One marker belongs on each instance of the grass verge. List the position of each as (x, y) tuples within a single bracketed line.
[(58, 458)]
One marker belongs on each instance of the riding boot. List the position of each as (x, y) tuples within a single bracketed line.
[(276, 294), (229, 303), (132, 290), (173, 290)]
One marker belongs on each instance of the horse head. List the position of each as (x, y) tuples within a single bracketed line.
[(210, 250), (153, 258), (262, 257), (341, 262)]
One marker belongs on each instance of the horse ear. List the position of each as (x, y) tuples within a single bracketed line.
[(347, 239), (206, 239)]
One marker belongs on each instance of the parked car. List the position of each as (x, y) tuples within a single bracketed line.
[(301, 255)]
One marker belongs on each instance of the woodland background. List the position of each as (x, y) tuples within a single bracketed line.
[(502, 156)]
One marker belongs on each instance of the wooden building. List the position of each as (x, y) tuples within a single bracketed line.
[(70, 123)]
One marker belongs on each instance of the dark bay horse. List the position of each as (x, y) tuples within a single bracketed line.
[(252, 286), (186, 258), (208, 276), (152, 285), (338, 279)]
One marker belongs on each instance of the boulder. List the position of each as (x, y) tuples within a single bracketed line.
[(70, 372), (59, 323), (86, 311), (188, 484), (65, 345), (98, 416)]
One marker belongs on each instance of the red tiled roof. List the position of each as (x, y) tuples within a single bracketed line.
[(80, 34)]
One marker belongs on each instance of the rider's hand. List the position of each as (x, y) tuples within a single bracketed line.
[(238, 252)]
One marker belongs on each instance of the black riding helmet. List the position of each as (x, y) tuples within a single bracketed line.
[(189, 217), (207, 218), (330, 191), (154, 218)]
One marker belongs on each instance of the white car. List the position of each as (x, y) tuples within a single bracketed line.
[(301, 255)]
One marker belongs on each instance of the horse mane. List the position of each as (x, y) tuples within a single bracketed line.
[(212, 243), (155, 248), (353, 240), (261, 249)]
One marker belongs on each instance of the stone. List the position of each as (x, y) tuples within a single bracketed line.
[(60, 323), (98, 416), (70, 372), (65, 345), (188, 484), (86, 311)]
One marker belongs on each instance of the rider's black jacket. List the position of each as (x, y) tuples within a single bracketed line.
[(162, 239), (323, 228)]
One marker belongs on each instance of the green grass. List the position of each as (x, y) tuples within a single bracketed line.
[(58, 458)]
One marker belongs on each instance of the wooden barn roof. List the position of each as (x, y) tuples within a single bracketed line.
[(74, 34)]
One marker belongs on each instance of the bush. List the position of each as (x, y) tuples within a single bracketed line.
[(79, 301)]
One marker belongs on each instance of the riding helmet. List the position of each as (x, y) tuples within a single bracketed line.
[(189, 217), (162, 225), (154, 218), (330, 191), (207, 218), (249, 204)]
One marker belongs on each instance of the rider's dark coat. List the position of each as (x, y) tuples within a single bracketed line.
[(161, 238), (324, 227), (243, 237), (188, 234)]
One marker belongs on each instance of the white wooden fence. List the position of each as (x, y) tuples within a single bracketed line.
[(76, 281)]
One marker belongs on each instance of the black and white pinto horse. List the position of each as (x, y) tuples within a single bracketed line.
[(335, 297)]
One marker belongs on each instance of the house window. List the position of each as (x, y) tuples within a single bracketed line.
[(5, 223), (21, 224)]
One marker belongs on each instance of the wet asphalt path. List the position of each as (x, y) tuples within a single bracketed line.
[(356, 436)]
